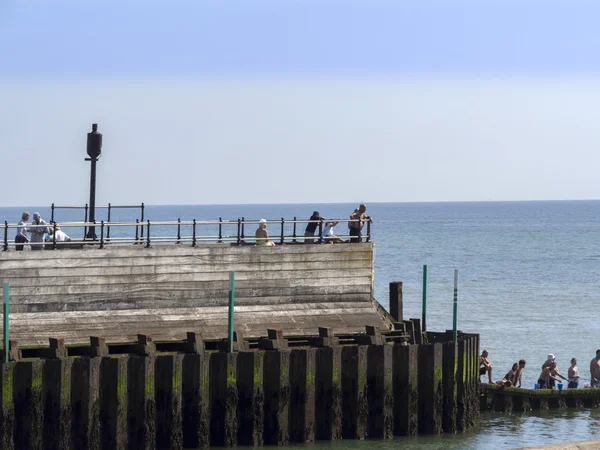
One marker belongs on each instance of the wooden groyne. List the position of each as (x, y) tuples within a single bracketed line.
[(496, 398), (378, 388)]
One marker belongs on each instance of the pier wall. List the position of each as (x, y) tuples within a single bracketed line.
[(168, 290), (253, 398)]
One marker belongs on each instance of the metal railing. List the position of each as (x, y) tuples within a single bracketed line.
[(192, 232)]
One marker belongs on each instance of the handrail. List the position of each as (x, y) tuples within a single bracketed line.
[(156, 234)]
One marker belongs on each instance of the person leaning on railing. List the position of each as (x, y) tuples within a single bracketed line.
[(358, 218), (309, 233), (21, 237)]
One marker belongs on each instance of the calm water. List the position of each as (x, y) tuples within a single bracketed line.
[(529, 283)]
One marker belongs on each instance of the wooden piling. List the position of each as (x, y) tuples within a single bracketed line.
[(85, 406), (223, 399), (113, 402), (195, 400), (380, 394), (355, 407), (461, 385), (430, 389), (328, 395), (167, 386), (406, 392), (7, 409), (396, 306), (29, 404), (450, 394), (251, 398), (277, 396), (141, 406), (56, 387), (302, 395)]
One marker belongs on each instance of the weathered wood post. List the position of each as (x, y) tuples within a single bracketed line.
[(29, 404), (251, 398), (223, 399), (113, 402), (85, 402), (355, 407), (56, 387), (195, 398), (168, 382), (396, 300), (449, 385), (277, 396), (430, 388), (406, 392), (328, 401), (7, 407), (380, 394), (302, 395)]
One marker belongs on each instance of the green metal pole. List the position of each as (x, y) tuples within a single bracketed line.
[(6, 303), (230, 315), (455, 306), (424, 313)]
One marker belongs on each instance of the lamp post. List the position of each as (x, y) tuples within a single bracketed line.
[(94, 150)]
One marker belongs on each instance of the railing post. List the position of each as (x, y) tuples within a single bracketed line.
[(101, 234), (108, 226), (137, 221), (320, 231), (243, 229), (54, 237), (52, 213), (6, 313), (294, 233), (179, 230), (142, 207), (282, 230), (239, 227), (194, 234), (220, 230), (368, 230), (148, 235), (85, 219), (5, 235)]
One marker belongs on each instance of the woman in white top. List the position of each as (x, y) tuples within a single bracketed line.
[(21, 237), (328, 235)]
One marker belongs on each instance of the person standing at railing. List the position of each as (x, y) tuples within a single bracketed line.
[(38, 233), (309, 233), (358, 217), (21, 237), (262, 235)]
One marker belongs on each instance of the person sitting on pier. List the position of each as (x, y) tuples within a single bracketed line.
[(21, 237), (328, 235), (60, 235), (512, 374), (262, 235), (519, 374), (573, 374), (485, 366), (595, 370), (504, 383)]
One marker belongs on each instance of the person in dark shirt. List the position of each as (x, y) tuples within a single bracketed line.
[(309, 233)]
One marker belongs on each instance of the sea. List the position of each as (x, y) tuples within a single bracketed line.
[(528, 283)]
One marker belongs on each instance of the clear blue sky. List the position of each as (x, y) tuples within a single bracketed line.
[(428, 99)]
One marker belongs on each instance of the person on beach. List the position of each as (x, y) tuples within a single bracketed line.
[(262, 235), (573, 375), (549, 376), (328, 234), (309, 233), (519, 374), (359, 216), (485, 366), (21, 237), (595, 370), (38, 233)]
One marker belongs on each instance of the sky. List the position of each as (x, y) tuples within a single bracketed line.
[(299, 101)]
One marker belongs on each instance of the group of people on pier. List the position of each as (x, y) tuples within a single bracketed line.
[(37, 232), (358, 218), (549, 376)]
